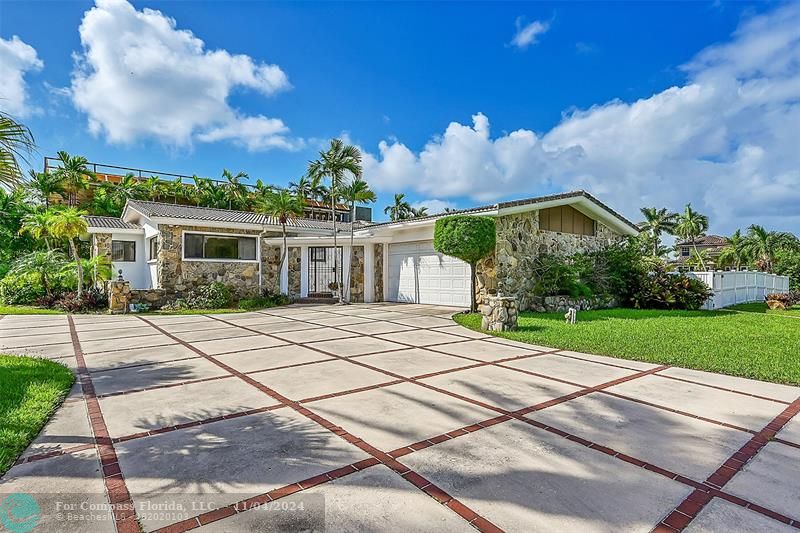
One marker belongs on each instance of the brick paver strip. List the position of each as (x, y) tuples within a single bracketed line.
[(742, 393), (117, 491), (683, 515), (431, 489)]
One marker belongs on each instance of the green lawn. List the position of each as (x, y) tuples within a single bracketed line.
[(760, 307), (758, 346), (32, 389), (27, 310)]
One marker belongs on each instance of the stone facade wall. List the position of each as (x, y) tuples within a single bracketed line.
[(519, 242), (271, 268), (295, 270), (357, 275), (378, 277), (178, 277)]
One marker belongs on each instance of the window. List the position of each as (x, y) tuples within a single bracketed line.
[(219, 247), (123, 251), (154, 248), (318, 254), (685, 251)]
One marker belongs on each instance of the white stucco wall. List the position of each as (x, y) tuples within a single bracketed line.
[(133, 271)]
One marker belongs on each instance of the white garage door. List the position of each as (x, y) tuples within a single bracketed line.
[(419, 274)]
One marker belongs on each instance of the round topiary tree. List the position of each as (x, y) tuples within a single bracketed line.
[(467, 238)]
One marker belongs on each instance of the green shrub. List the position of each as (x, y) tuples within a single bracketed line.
[(788, 264), (468, 238), (20, 289), (660, 289), (214, 296), (263, 302)]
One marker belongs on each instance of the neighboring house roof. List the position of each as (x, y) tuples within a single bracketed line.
[(227, 216), (706, 240), (108, 223), (500, 206)]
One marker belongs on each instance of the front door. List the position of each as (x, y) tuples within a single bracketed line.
[(323, 271)]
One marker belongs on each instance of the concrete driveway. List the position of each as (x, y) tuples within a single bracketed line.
[(391, 417)]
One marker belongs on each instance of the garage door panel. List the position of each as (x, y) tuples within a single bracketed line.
[(417, 273)]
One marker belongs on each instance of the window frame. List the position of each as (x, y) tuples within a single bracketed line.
[(150, 242), (113, 240), (219, 234)]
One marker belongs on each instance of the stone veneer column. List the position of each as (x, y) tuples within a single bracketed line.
[(270, 268), (377, 263), (101, 247), (295, 262), (357, 275)]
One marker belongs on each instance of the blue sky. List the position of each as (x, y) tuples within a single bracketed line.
[(453, 104)]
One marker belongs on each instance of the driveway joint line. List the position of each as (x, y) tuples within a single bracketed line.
[(116, 489), (431, 490), (742, 393), (685, 513)]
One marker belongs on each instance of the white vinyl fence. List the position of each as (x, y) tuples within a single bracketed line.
[(731, 288)]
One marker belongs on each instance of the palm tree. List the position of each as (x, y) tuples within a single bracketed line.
[(37, 225), (357, 192), (400, 210), (419, 212), (235, 190), (690, 225), (336, 163), (657, 221), (282, 205), (16, 142), (735, 252), (302, 188), (128, 188), (74, 173), (153, 187), (44, 185), (762, 246), (69, 224), (45, 265)]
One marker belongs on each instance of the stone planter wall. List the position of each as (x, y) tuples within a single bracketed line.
[(179, 277), (378, 277), (357, 275), (155, 298), (560, 304), (499, 313)]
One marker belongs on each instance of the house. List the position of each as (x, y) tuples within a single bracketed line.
[(712, 245), (165, 250)]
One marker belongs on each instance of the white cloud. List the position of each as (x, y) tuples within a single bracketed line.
[(434, 205), (139, 76), (16, 59), (528, 34), (726, 140)]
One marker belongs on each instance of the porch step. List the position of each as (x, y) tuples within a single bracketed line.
[(317, 300)]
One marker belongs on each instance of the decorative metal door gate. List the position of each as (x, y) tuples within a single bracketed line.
[(322, 271)]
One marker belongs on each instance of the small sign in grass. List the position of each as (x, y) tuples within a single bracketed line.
[(32, 389)]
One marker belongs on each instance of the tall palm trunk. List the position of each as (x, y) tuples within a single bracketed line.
[(352, 237), (335, 246), (697, 253), (77, 257), (284, 255)]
